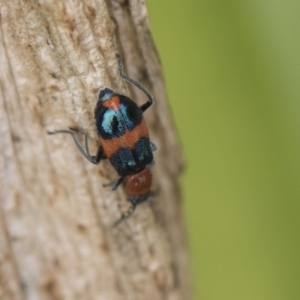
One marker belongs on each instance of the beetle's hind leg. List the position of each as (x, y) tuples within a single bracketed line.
[(146, 105)]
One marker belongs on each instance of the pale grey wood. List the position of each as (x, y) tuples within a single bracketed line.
[(56, 240)]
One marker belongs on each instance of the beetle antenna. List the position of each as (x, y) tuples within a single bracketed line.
[(125, 215)]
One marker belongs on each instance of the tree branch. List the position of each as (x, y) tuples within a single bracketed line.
[(56, 239)]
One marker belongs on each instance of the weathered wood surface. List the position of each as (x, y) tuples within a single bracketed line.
[(56, 240)]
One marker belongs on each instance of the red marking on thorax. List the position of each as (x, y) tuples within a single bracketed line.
[(139, 184)]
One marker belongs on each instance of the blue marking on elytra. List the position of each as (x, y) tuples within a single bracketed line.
[(111, 119), (128, 123)]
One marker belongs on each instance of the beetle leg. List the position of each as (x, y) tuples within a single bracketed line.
[(153, 146), (146, 105), (93, 159), (114, 184)]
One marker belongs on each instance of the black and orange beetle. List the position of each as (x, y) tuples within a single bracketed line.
[(124, 140)]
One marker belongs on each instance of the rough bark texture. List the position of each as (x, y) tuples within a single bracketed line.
[(56, 239)]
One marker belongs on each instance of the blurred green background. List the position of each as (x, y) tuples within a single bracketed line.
[(232, 70)]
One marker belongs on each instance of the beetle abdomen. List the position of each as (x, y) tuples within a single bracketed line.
[(123, 134)]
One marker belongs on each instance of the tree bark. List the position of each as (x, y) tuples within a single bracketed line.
[(56, 238)]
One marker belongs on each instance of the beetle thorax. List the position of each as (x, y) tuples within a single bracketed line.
[(139, 184)]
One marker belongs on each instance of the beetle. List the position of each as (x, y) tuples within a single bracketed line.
[(124, 140)]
